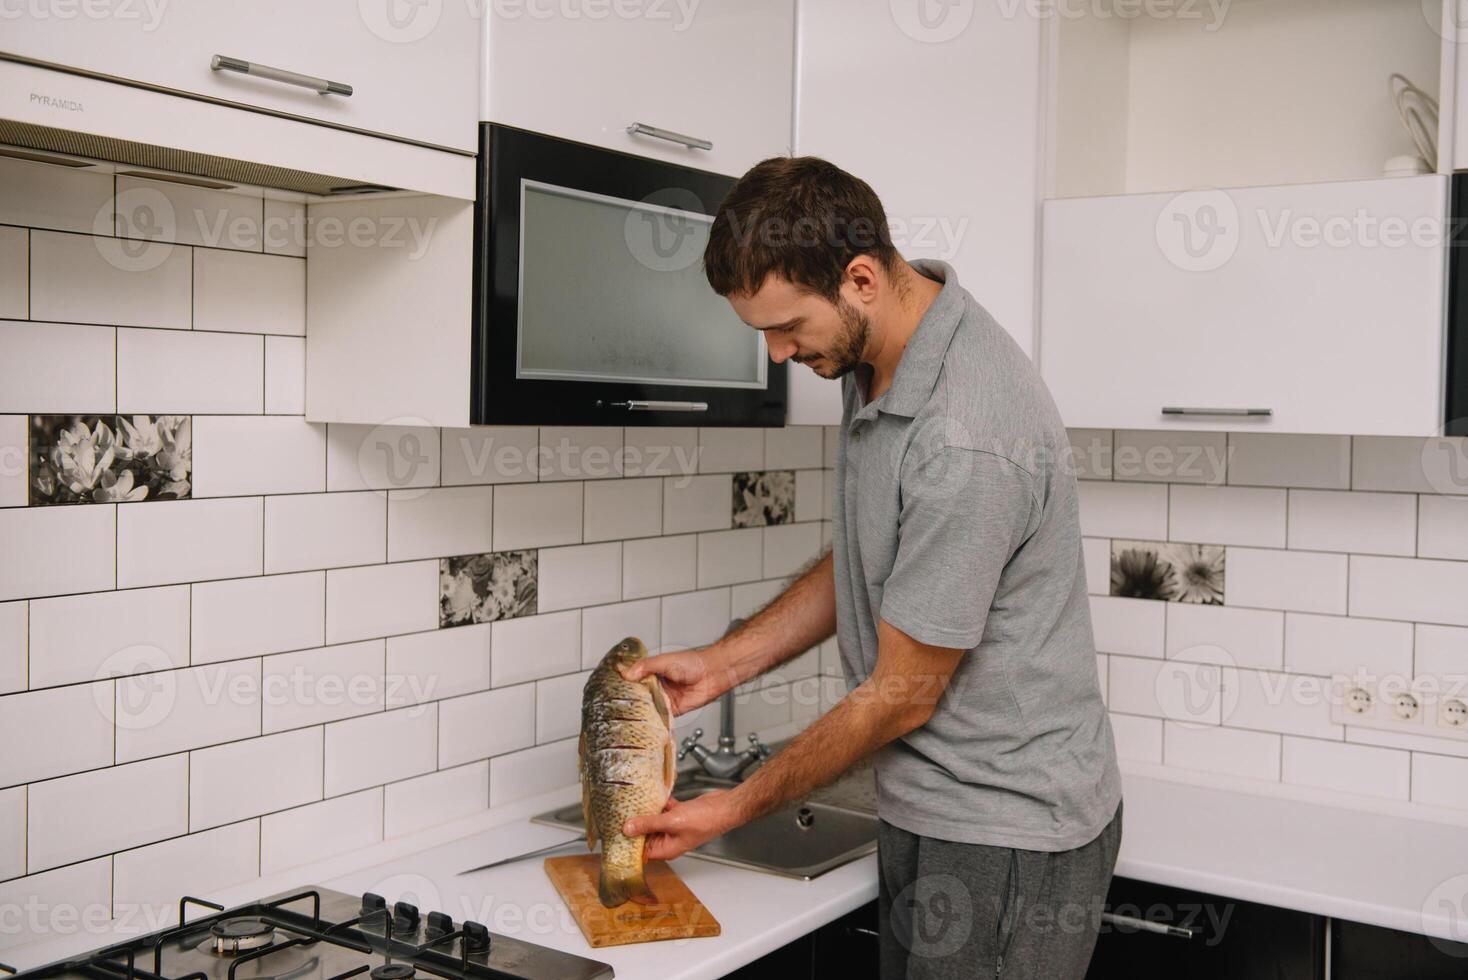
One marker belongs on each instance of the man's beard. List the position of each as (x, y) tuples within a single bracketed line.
[(845, 355)]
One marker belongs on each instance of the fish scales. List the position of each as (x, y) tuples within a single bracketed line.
[(627, 767)]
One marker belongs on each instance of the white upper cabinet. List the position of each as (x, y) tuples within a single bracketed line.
[(412, 69), (937, 108), (1310, 301), (1221, 236), (717, 71)]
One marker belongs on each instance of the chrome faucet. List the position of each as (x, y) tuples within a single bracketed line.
[(724, 762)]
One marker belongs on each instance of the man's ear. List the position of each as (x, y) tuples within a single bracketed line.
[(864, 277)]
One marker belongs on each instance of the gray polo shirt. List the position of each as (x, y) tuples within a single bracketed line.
[(956, 521)]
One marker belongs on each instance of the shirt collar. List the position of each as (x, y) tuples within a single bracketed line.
[(917, 370)]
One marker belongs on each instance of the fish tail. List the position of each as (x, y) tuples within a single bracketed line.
[(618, 886)]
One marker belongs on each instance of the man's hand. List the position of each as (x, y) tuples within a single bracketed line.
[(683, 826), (691, 678)]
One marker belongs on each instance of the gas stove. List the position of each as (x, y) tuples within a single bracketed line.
[(319, 934)]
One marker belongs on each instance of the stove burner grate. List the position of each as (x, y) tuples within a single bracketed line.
[(394, 971)]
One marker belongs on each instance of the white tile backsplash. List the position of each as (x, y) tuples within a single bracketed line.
[(61, 368), (15, 276), (1442, 527), (1428, 591), (176, 710), (1363, 523), (14, 472), (1227, 515), (321, 830), (324, 530), (85, 887), (64, 729), (602, 627), (1346, 768), (150, 879), (381, 600), (535, 646), (62, 820), (490, 454), (730, 450), (67, 549), (1229, 751), (1123, 510), (217, 794), (247, 292), (439, 522), (158, 210), (530, 771), (491, 723), (381, 457), (285, 375), (580, 575), (1265, 459), (789, 547), (658, 566), (697, 503), (1290, 580), (246, 617), (537, 515), (580, 452), (1135, 627), (793, 447), (620, 509), (73, 638), (1327, 645), (1409, 465), (1219, 634), (1439, 780), (42, 195), (311, 687), (236, 455), (660, 451), (12, 832), (188, 540), (443, 663), (13, 653), (184, 372), (558, 706), (1169, 457), (128, 284), (380, 748), (727, 557), (433, 799)]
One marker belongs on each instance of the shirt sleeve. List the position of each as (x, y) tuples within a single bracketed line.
[(964, 514)]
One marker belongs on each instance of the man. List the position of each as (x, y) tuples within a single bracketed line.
[(955, 586)]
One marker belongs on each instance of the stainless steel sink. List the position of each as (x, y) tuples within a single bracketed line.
[(802, 840)]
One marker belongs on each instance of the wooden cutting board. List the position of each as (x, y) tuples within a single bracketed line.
[(678, 913)]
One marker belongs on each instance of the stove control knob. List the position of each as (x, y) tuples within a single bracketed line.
[(372, 904), (476, 937), (405, 916), (440, 924)]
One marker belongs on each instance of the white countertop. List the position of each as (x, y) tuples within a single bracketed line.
[(1367, 860)]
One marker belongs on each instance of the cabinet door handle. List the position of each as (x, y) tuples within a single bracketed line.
[(692, 142), (325, 86), (1177, 410), (1145, 925), (656, 406)]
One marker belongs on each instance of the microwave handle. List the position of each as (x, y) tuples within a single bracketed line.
[(692, 142), (656, 406)]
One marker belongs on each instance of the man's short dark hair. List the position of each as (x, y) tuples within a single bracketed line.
[(803, 218)]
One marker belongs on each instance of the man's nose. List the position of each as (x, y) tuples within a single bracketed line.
[(781, 351)]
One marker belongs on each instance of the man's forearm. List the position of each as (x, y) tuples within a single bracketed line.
[(853, 729), (790, 624)]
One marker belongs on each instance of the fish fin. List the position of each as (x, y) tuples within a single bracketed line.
[(670, 765), (586, 820), (613, 888), (660, 700)]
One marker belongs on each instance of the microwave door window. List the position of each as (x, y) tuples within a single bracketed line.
[(613, 290)]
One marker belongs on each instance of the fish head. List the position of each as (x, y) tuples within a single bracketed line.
[(626, 653)]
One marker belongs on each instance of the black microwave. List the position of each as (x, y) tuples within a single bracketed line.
[(590, 302)]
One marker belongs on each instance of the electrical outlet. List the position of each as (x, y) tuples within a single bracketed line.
[(1359, 700), (1405, 706), (1452, 713)]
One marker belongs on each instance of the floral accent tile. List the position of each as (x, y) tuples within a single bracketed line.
[(487, 587), (764, 498), (83, 459), (1167, 571)]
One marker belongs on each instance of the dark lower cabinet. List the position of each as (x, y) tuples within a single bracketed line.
[(1187, 935), (1360, 952), (1154, 932), (844, 949)]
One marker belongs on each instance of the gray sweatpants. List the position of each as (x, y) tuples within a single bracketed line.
[(948, 910)]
